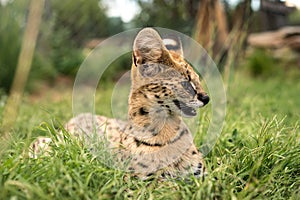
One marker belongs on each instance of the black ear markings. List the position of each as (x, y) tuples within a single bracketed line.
[(143, 111), (173, 43)]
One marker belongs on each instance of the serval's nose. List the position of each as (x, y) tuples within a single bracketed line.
[(203, 97)]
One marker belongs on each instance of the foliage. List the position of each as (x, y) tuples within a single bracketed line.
[(65, 56), (262, 63), (117, 68), (83, 19), (73, 23), (13, 21), (173, 14), (294, 18), (3, 98), (10, 44), (65, 28), (256, 157)]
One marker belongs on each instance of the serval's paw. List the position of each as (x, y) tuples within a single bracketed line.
[(40, 147)]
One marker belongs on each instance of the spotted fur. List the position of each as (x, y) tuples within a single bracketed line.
[(164, 87)]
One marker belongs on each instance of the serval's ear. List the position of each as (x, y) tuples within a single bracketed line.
[(173, 44), (147, 47)]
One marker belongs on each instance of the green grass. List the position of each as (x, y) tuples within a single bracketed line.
[(256, 157)]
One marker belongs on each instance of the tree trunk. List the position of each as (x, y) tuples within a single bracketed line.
[(211, 26)]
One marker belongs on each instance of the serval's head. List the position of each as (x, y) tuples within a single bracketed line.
[(160, 72)]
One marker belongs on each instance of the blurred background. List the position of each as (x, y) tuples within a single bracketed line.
[(261, 37)]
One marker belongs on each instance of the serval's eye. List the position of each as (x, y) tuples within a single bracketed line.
[(188, 87)]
